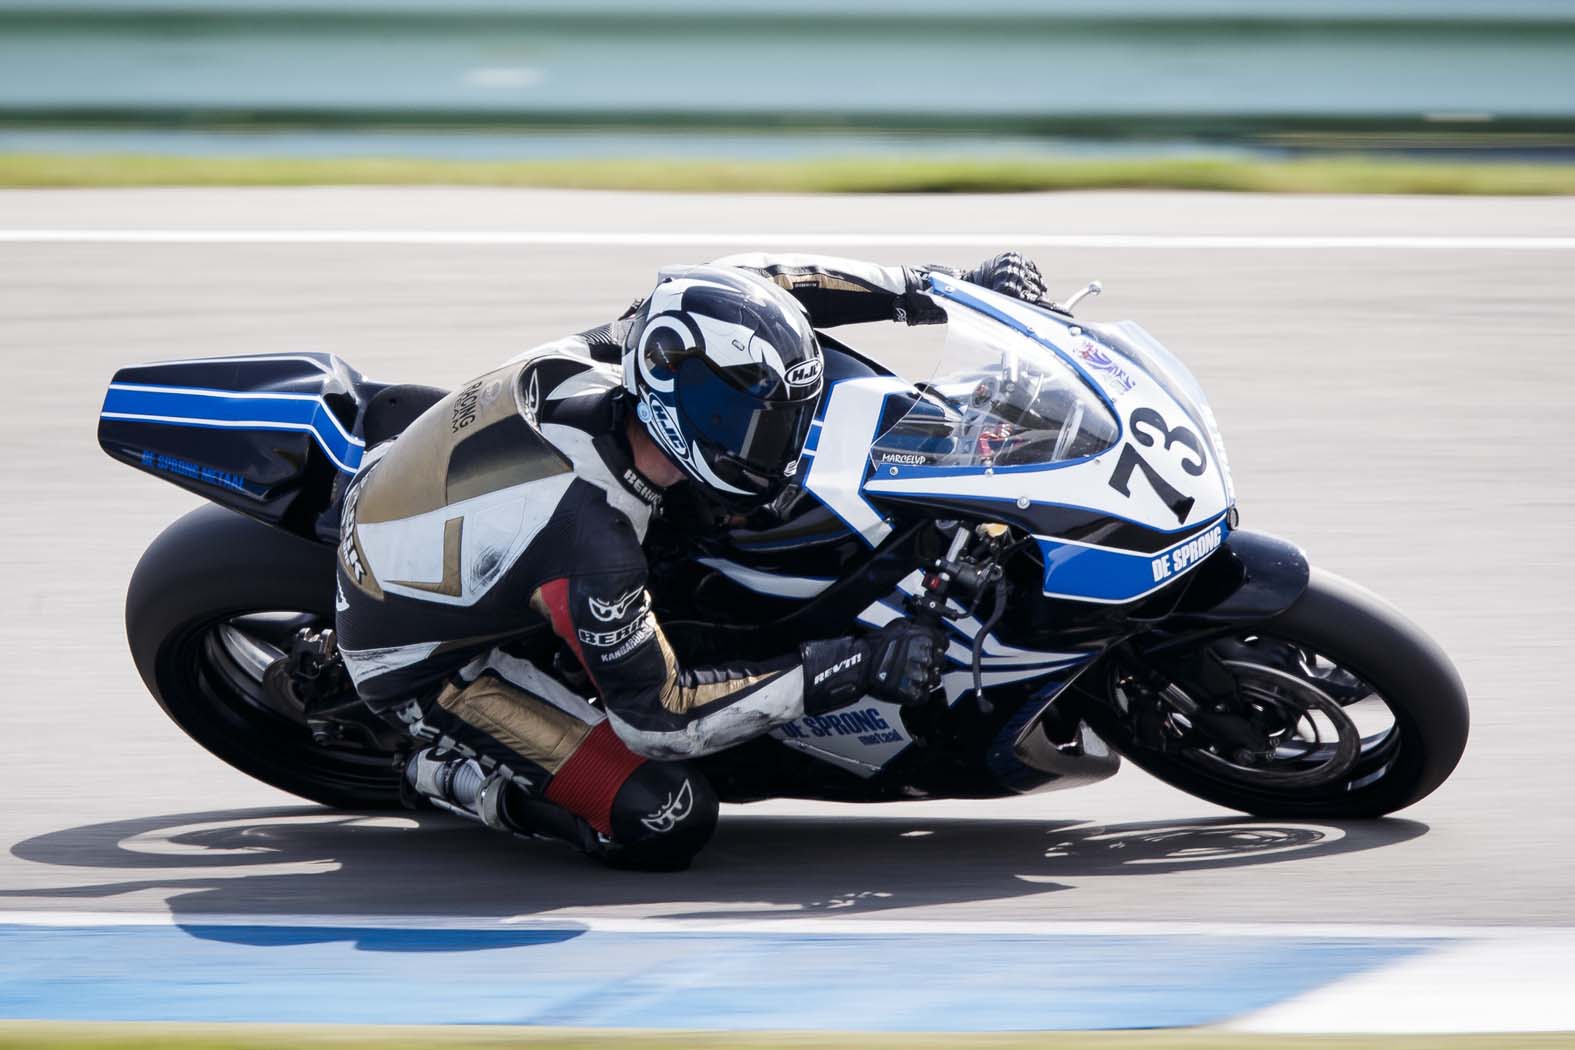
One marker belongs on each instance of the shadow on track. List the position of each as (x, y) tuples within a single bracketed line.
[(319, 862)]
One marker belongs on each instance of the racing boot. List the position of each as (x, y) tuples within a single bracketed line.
[(662, 814)]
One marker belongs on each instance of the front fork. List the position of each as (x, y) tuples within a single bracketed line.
[(1038, 754), (1251, 578)]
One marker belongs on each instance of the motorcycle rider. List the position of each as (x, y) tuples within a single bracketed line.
[(519, 505)]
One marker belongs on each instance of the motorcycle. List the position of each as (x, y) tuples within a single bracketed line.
[(1055, 495)]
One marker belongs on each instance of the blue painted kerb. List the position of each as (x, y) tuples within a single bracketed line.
[(573, 977)]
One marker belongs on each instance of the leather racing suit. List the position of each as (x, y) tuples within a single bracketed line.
[(514, 506)]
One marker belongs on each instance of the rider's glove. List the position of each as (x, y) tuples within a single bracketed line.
[(1010, 274), (901, 663)]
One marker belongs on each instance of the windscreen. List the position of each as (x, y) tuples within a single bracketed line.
[(997, 399)]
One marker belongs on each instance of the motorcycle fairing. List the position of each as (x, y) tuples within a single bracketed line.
[(836, 455), (866, 736), (1083, 572), (836, 469), (861, 738), (264, 393), (269, 435), (775, 585), (1146, 541)]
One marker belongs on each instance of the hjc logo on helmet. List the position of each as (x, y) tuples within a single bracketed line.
[(652, 410), (805, 373)]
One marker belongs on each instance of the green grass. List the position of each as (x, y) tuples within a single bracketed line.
[(51, 1036), (841, 175)]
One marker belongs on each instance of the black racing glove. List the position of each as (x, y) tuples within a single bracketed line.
[(1010, 274), (901, 663)]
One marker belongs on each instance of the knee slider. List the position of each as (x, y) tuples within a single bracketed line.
[(662, 816)]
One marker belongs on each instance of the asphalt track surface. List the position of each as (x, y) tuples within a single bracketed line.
[(1398, 407)]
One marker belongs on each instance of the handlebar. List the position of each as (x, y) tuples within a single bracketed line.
[(965, 579)]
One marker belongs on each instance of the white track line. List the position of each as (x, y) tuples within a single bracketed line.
[(551, 238), (790, 925), (1519, 986)]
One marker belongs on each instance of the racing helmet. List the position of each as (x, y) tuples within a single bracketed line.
[(725, 372)]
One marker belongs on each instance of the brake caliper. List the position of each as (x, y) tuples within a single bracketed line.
[(313, 678)]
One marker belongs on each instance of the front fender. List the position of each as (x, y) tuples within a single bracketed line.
[(1252, 577)]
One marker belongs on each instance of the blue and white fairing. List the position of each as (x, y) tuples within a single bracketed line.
[(274, 436), (1093, 438)]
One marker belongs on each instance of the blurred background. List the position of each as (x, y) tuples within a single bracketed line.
[(898, 94), (1391, 374)]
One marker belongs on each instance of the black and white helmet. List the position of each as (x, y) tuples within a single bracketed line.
[(725, 373)]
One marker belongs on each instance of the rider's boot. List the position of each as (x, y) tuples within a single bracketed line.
[(661, 815)]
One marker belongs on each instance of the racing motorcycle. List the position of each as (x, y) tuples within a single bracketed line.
[(1055, 493)]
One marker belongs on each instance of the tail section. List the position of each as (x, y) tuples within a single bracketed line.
[(273, 436)]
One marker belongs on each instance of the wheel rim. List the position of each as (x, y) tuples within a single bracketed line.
[(1318, 754), (222, 667), (1332, 731)]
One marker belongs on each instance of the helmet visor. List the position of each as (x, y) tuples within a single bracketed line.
[(759, 434)]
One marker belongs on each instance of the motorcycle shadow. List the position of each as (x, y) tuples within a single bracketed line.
[(316, 862)]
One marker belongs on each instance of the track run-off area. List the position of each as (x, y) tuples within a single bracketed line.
[(1392, 378)]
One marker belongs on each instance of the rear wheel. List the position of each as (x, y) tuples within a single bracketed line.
[(215, 608), (1337, 707)]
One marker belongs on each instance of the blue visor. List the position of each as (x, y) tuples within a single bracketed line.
[(762, 433)]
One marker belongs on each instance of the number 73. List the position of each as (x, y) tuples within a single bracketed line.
[(1148, 427)]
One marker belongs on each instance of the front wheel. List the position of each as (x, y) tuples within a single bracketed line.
[(1337, 707)]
